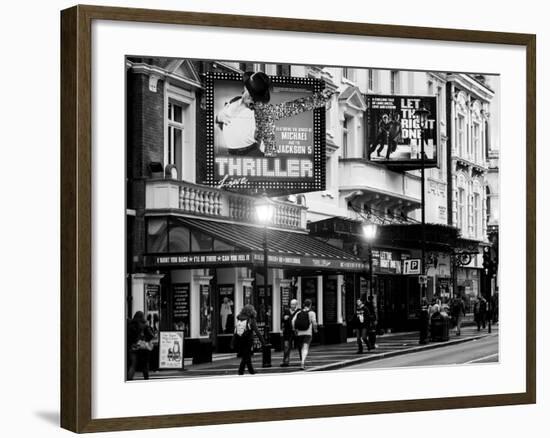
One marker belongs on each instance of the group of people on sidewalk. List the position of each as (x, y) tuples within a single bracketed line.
[(455, 310), (298, 327)]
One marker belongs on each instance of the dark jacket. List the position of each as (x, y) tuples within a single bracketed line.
[(361, 317), (246, 341), (457, 307), (286, 324), (372, 311), (138, 331)]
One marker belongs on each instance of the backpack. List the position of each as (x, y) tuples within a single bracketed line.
[(302, 320), (242, 327)]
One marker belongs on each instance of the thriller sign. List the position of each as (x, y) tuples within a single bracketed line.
[(275, 147)]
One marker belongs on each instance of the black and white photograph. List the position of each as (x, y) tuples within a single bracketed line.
[(303, 218)]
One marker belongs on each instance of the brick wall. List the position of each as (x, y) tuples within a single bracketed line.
[(145, 144)]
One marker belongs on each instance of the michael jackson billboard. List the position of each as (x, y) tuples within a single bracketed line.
[(394, 133), (264, 133)]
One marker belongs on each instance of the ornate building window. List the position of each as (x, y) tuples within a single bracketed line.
[(175, 135), (346, 137), (460, 208), (476, 141), (477, 215), (461, 134)]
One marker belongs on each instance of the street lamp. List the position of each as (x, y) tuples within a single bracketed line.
[(265, 211), (422, 115), (369, 233)]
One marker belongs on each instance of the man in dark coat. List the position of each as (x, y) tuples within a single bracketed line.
[(288, 331), (361, 323)]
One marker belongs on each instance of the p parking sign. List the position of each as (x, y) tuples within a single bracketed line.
[(411, 266)]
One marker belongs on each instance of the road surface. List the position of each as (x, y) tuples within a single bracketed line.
[(484, 350)]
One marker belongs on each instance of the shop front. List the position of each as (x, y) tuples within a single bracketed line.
[(396, 291), (200, 272)]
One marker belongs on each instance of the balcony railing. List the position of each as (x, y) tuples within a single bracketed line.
[(211, 202), (357, 174)]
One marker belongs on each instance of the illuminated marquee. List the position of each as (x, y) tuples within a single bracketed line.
[(240, 167), (229, 156)]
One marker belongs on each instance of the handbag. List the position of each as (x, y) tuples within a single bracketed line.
[(144, 345)]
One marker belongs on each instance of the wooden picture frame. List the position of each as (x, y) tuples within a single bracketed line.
[(76, 217)]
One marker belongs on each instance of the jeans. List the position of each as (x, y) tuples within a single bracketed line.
[(246, 360), (287, 346), (362, 336), (481, 321)]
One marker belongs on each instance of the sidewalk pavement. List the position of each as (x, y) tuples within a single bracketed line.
[(324, 357)]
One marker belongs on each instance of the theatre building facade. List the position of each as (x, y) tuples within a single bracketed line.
[(195, 254)]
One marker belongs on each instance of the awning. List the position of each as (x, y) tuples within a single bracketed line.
[(439, 237), (286, 249)]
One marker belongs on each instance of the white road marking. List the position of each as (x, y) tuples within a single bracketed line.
[(482, 358)]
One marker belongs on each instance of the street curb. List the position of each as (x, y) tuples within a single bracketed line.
[(359, 360)]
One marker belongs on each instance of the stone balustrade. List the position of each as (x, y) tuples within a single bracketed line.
[(204, 201)]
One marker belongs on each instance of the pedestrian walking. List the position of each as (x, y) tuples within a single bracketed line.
[(243, 338), (288, 331), (480, 313), (305, 324), (458, 311), (360, 323), (424, 321), (138, 339), (494, 308), (373, 323)]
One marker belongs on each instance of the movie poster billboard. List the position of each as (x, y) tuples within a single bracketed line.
[(394, 132), (275, 147)]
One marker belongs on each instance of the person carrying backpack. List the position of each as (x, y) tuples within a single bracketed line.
[(243, 341), (305, 324)]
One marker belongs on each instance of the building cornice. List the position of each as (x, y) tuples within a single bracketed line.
[(472, 86), (160, 73)]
